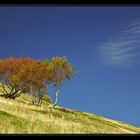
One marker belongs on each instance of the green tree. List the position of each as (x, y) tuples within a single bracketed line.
[(60, 71)]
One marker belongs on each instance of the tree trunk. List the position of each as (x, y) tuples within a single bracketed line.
[(56, 99), (16, 95), (4, 89), (6, 94), (11, 90), (11, 95), (33, 99)]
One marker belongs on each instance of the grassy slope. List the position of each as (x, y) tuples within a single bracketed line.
[(20, 116)]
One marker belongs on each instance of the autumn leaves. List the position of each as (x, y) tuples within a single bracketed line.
[(25, 75)]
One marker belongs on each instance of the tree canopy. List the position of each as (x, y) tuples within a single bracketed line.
[(26, 75)]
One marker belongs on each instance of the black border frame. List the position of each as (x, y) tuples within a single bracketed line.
[(67, 3)]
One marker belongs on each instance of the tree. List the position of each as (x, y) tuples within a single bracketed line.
[(32, 80), (39, 82), (25, 75), (60, 71), (10, 70)]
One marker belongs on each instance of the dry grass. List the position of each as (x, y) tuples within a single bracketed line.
[(20, 116)]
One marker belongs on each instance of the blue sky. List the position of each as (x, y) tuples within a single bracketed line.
[(102, 42)]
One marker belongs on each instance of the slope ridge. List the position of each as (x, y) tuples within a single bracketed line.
[(20, 116)]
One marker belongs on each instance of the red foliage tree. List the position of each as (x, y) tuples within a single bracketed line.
[(25, 75)]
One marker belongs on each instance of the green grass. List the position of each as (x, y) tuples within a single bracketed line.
[(19, 116)]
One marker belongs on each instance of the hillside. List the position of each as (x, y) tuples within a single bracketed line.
[(20, 116)]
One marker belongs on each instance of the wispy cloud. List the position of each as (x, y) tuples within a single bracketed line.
[(124, 49)]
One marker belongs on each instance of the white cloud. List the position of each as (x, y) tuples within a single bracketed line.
[(123, 49)]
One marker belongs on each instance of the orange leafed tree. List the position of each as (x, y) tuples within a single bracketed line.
[(25, 75), (10, 70)]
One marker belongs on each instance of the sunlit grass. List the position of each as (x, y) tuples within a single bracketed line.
[(20, 116)]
